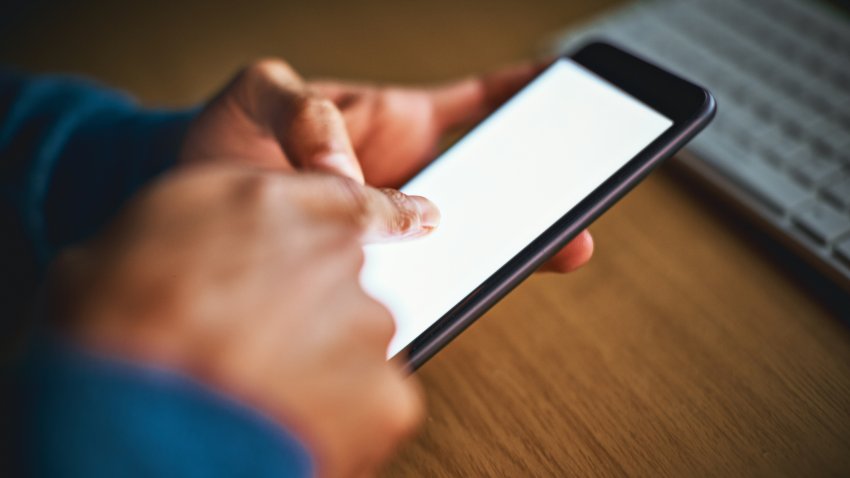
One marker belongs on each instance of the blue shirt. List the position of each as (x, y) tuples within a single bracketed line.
[(71, 153)]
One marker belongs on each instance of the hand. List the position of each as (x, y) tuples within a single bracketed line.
[(249, 281), (269, 117)]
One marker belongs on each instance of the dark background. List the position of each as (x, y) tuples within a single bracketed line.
[(180, 52)]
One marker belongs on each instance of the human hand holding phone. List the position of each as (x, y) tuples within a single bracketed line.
[(129, 301), (269, 117), (526, 181), (248, 281)]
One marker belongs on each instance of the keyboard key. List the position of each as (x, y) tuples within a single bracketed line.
[(813, 168), (838, 139), (778, 147), (839, 191), (773, 188), (842, 250), (822, 221), (780, 70), (842, 156)]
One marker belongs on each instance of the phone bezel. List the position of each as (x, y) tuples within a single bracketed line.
[(691, 108)]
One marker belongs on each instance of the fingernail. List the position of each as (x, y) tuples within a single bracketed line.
[(429, 214), (343, 164)]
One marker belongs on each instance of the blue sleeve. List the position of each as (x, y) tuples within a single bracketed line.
[(97, 418), (71, 153)]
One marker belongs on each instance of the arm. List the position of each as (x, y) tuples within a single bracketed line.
[(93, 413), (71, 153), (267, 118)]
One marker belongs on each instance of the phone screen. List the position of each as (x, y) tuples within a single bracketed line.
[(502, 185)]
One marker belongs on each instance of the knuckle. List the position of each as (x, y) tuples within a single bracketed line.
[(323, 104), (259, 189), (377, 321), (401, 222), (392, 101), (402, 217), (356, 256), (268, 69), (384, 323), (404, 406), (310, 105), (348, 257), (387, 100)]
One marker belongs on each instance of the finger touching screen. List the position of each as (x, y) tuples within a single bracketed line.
[(503, 185)]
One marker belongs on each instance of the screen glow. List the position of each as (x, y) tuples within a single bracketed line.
[(504, 184)]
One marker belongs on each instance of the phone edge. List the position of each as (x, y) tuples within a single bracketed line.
[(673, 140)]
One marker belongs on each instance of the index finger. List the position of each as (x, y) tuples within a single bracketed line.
[(380, 215)]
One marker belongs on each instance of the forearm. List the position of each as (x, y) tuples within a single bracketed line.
[(71, 154)]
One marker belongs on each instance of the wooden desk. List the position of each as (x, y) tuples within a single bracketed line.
[(685, 348)]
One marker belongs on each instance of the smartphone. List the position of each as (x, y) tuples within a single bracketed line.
[(525, 181)]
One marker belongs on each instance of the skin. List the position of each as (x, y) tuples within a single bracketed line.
[(241, 267), (271, 118), (248, 281)]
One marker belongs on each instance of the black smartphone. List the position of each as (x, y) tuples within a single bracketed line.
[(525, 181)]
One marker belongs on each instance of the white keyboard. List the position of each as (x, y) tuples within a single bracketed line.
[(780, 70)]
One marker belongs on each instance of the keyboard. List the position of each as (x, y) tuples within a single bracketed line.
[(780, 144)]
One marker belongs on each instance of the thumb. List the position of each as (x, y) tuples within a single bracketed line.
[(315, 137), (309, 127)]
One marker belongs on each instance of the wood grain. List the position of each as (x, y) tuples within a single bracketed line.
[(690, 346)]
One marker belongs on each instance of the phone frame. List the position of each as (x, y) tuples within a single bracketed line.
[(689, 106)]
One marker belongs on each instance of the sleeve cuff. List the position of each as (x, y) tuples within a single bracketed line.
[(95, 417)]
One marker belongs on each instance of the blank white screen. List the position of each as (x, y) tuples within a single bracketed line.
[(504, 184)]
